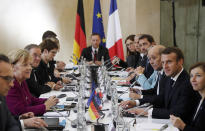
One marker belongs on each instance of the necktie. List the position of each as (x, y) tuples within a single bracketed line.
[(95, 55), (158, 80), (172, 83)]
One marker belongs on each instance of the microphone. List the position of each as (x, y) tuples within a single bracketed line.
[(140, 114), (109, 59), (163, 127), (115, 58), (113, 64), (131, 86), (74, 76)]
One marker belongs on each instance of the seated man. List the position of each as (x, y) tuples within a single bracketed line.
[(35, 87), (45, 70), (178, 97), (94, 53), (8, 123), (151, 85), (145, 43)]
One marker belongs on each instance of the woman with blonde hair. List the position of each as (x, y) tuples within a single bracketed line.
[(197, 78), (19, 99)]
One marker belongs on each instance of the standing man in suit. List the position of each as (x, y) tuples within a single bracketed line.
[(7, 121), (93, 54), (178, 98)]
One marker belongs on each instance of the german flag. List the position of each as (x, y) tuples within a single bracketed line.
[(80, 37), (94, 103)]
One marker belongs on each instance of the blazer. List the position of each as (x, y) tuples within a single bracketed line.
[(20, 100), (102, 51), (198, 124), (45, 74), (178, 100), (35, 88), (131, 61), (144, 62), (7, 121), (149, 95)]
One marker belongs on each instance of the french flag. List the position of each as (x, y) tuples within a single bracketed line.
[(114, 36)]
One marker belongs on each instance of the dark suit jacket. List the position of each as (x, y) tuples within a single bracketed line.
[(45, 73), (102, 51), (34, 86), (149, 95), (198, 124), (145, 63), (132, 61), (178, 100), (7, 121)]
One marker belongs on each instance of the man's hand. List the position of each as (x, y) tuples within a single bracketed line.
[(128, 104), (129, 78), (139, 70), (34, 122), (90, 62), (26, 115), (138, 111), (50, 84), (66, 80), (130, 69), (98, 63), (135, 90), (58, 85), (51, 101), (134, 96)]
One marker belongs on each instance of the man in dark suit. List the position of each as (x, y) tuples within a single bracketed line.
[(178, 97), (34, 86), (94, 53), (145, 42), (7, 121), (152, 86)]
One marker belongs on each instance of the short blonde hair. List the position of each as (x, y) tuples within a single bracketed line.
[(16, 55)]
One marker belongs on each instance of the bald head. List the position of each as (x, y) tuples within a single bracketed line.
[(156, 49), (154, 55)]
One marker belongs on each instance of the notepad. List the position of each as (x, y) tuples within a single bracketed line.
[(56, 114)]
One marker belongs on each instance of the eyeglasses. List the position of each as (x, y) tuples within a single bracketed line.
[(129, 44), (7, 78)]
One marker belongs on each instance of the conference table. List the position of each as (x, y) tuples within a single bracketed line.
[(142, 123)]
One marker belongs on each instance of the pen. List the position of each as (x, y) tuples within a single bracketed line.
[(163, 127)]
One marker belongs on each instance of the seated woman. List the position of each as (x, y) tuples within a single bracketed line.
[(132, 54), (19, 99), (197, 78)]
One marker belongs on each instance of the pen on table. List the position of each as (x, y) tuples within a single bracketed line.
[(105, 110), (163, 127)]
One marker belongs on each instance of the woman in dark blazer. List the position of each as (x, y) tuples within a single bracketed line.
[(197, 78), (19, 99), (132, 54)]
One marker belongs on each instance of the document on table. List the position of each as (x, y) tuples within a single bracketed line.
[(58, 114)]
